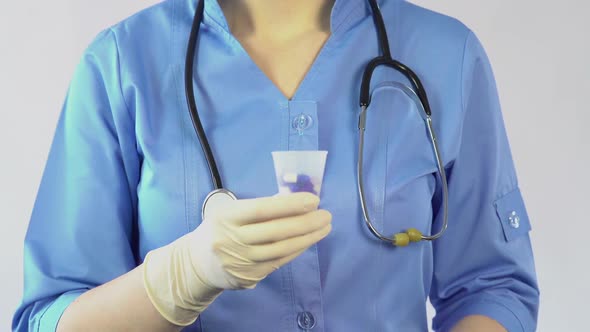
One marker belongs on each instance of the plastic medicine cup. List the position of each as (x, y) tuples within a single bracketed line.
[(298, 171)]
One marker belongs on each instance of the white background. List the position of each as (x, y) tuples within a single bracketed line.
[(540, 51)]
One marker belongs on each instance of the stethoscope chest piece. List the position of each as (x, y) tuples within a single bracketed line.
[(216, 200)]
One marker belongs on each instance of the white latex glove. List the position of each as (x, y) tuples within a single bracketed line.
[(234, 248)]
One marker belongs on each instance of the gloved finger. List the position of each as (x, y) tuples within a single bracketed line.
[(284, 228), (272, 251), (246, 211), (275, 264)]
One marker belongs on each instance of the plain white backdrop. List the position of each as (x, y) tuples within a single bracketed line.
[(540, 52)]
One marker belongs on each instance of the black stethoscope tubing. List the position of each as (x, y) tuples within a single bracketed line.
[(190, 95), (382, 60), (220, 193)]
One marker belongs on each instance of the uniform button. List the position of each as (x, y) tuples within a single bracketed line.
[(302, 122), (305, 320), (514, 220)]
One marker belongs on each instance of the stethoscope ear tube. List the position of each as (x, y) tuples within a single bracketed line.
[(418, 94), (411, 235), (443, 178)]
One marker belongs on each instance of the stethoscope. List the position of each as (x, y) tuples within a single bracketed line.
[(221, 195)]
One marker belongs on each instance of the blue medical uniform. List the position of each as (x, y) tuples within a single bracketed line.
[(126, 174)]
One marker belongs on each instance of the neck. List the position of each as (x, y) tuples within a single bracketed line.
[(276, 19)]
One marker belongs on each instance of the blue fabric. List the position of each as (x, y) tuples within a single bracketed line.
[(126, 174)]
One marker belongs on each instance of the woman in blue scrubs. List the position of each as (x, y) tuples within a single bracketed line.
[(126, 177)]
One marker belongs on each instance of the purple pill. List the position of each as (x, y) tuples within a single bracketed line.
[(302, 184)]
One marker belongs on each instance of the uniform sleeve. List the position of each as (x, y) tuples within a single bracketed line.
[(81, 227), (483, 265)]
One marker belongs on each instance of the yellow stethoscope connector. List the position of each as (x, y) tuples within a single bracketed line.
[(401, 239), (404, 239), (414, 235)]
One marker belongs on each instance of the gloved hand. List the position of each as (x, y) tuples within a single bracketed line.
[(234, 248)]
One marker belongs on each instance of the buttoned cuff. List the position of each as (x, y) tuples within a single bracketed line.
[(49, 319), (513, 316)]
